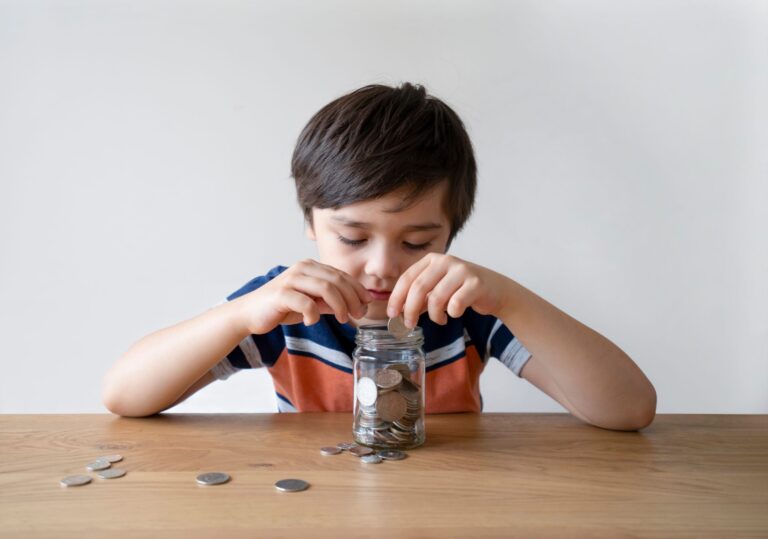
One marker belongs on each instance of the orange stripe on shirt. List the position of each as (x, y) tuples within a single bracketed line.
[(311, 385), (455, 387)]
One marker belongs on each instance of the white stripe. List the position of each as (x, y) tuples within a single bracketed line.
[(495, 328), (514, 356), (223, 369), (283, 406), (340, 359), (251, 352), (446, 352)]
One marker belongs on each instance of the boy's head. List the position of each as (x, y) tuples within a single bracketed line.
[(384, 175)]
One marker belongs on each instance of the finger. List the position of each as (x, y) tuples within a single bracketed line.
[(416, 299), (437, 303), (461, 299), (400, 292), (296, 302), (355, 295), (321, 289)]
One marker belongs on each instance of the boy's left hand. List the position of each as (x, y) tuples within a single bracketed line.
[(440, 284)]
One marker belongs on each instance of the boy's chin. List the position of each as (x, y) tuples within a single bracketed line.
[(371, 319)]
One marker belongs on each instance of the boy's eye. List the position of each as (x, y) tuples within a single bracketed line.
[(416, 247), (348, 241)]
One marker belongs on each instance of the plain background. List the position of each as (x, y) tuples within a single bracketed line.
[(144, 166)]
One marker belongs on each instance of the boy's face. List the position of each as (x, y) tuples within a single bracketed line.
[(376, 240)]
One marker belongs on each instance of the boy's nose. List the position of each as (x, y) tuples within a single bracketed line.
[(383, 264)]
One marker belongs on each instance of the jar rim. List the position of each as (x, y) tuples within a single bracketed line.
[(378, 334)]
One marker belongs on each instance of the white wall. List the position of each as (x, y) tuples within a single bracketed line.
[(144, 173)]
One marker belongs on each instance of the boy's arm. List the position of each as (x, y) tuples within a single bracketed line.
[(588, 374), (585, 372), (168, 365)]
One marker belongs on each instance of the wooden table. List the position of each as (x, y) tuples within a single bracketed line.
[(486, 475)]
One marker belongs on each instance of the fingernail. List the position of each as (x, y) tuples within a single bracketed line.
[(409, 323), (391, 312)]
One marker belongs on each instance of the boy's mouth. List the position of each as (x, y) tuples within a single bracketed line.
[(380, 294)]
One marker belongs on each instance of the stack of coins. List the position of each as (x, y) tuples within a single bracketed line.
[(390, 407), (103, 468)]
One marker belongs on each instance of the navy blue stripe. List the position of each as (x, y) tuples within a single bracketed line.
[(500, 340), (279, 396), (237, 359), (447, 361), (314, 356)]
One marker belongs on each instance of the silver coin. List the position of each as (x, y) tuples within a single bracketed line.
[(75, 480), (291, 485), (392, 454), (361, 451), (111, 458), (98, 465), (212, 478), (346, 445), (112, 473), (328, 451), (366, 391), (371, 459), (388, 378), (396, 326)]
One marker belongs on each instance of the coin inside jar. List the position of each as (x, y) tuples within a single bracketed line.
[(388, 378), (391, 406), (366, 391)]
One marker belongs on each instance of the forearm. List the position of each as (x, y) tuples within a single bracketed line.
[(597, 378), (160, 367)]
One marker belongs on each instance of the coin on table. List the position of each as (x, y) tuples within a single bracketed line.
[(391, 406), (291, 485), (98, 465), (371, 459), (396, 326), (111, 458), (366, 391), (392, 454), (361, 451), (331, 450), (112, 473), (75, 480), (346, 445), (212, 478), (388, 378)]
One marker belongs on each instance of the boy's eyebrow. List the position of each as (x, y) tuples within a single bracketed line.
[(360, 224)]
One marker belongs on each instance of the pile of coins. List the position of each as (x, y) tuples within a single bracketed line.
[(366, 454), (103, 468), (390, 407)]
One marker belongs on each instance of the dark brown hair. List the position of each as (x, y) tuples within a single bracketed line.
[(377, 140)]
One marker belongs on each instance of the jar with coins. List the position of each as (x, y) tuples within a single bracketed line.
[(388, 364)]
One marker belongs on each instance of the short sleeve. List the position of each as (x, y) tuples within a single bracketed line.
[(493, 339), (255, 351)]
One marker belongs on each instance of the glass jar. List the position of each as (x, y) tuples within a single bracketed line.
[(389, 388)]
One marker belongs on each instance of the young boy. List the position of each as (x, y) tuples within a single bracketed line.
[(386, 178)]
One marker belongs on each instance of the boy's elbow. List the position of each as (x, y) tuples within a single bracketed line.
[(647, 412), (635, 413), (114, 400), (643, 412)]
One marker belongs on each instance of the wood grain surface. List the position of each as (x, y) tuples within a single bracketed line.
[(478, 475)]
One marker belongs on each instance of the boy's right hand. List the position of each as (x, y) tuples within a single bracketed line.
[(302, 293)]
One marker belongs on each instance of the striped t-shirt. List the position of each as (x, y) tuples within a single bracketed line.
[(311, 366)]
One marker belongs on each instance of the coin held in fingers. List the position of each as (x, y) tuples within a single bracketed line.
[(396, 326)]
